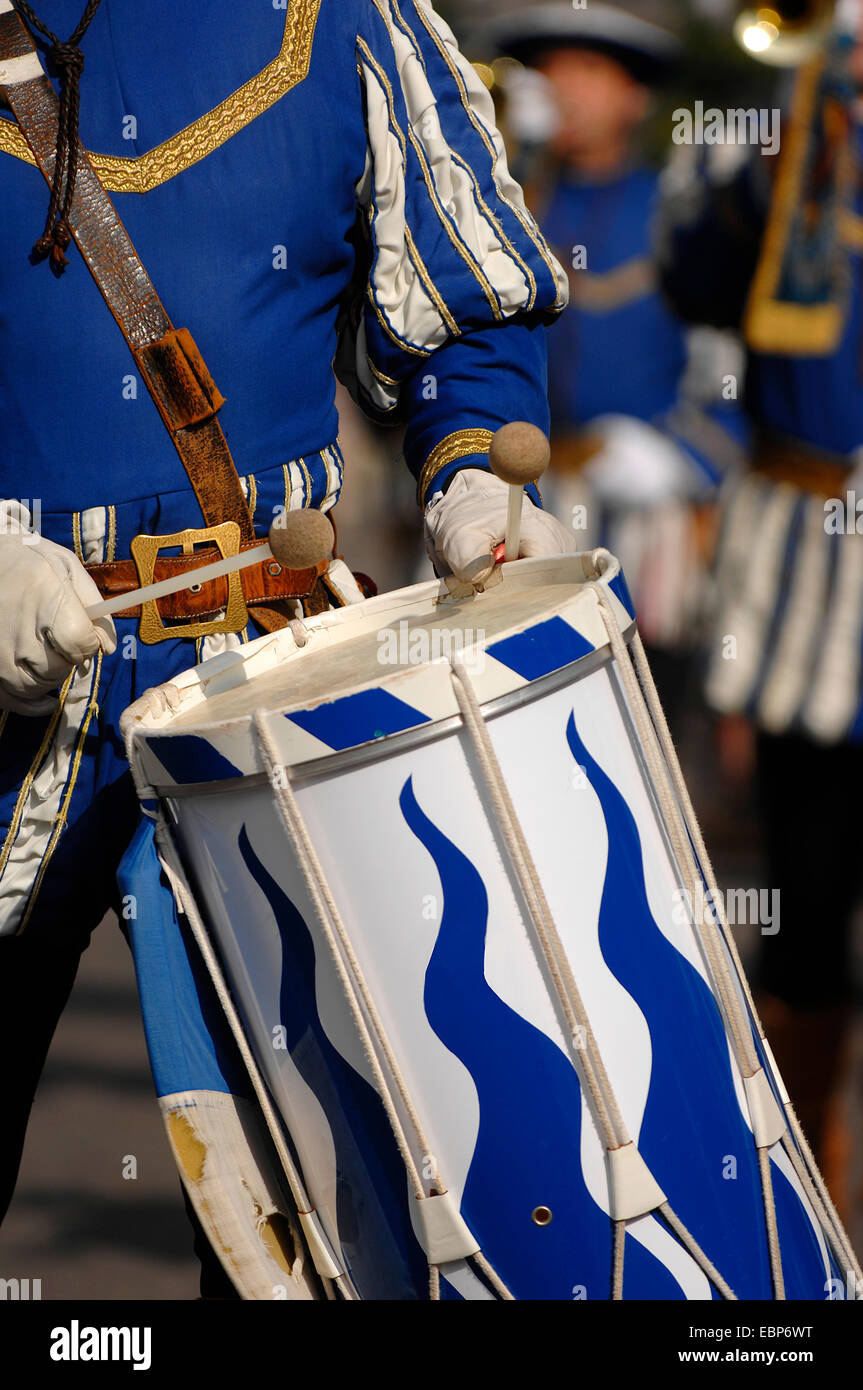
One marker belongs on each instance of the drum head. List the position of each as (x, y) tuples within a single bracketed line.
[(358, 646)]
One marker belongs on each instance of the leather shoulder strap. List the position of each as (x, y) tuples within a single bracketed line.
[(172, 367)]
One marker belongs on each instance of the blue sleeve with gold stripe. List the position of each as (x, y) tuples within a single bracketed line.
[(458, 282)]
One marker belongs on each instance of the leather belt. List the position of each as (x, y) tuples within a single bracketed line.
[(807, 469), (170, 363), (264, 583), (571, 452)]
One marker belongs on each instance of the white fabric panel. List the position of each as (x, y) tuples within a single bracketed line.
[(29, 838), (748, 611), (399, 293), (455, 183), (835, 694), (791, 667), (482, 113), (42, 802), (94, 526), (467, 201)]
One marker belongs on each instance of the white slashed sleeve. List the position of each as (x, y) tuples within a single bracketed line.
[(458, 283)]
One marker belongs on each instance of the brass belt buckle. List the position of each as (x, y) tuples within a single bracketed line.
[(145, 550)]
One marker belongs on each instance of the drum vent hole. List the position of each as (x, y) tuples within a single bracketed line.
[(274, 568), (195, 588), (541, 1215)]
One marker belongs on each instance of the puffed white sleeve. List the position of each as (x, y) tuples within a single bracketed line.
[(447, 330)]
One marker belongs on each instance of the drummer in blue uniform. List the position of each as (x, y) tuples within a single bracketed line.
[(783, 245), (302, 182), (638, 451)]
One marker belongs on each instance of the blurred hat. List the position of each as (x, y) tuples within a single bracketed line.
[(646, 49)]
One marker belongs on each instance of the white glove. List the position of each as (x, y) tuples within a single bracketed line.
[(464, 525), (638, 466), (44, 630)]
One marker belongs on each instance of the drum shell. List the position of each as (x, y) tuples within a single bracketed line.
[(420, 869)]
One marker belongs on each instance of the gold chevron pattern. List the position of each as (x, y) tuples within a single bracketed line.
[(192, 144)]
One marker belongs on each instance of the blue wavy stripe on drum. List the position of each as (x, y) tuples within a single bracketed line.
[(542, 648), (692, 1122), (359, 718), (620, 589), (378, 1245), (528, 1148), (188, 758)]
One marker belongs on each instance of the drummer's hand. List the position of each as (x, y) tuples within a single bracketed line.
[(638, 465), (44, 629), (465, 524)]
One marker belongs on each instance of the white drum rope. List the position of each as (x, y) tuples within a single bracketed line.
[(809, 1176), (614, 1131), (593, 1068), (664, 785), (357, 993), (659, 723), (689, 1243), (617, 1261), (770, 1221), (806, 1169), (358, 996), (493, 1278)]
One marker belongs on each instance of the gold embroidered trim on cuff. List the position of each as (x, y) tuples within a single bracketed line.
[(455, 446)]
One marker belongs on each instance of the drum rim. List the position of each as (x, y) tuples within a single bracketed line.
[(377, 749), (140, 722)]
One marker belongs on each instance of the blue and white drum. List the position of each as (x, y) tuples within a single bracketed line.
[(446, 860)]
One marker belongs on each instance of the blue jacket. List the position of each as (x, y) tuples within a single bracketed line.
[(305, 181), (620, 348)]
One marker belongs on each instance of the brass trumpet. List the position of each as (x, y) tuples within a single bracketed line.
[(785, 33)]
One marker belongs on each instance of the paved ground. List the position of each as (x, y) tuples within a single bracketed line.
[(76, 1223)]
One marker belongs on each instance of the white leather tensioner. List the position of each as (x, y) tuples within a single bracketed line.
[(446, 1235), (320, 1249), (634, 1190), (768, 1121)]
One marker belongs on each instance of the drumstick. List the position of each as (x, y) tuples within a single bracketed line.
[(297, 541), (519, 454)]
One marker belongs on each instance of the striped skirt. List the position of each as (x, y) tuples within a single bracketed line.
[(786, 627)]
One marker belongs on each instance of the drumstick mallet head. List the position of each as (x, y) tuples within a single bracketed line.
[(301, 539), (519, 454)]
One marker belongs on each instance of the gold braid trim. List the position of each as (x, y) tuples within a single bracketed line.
[(208, 132), (455, 446), (771, 324)]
